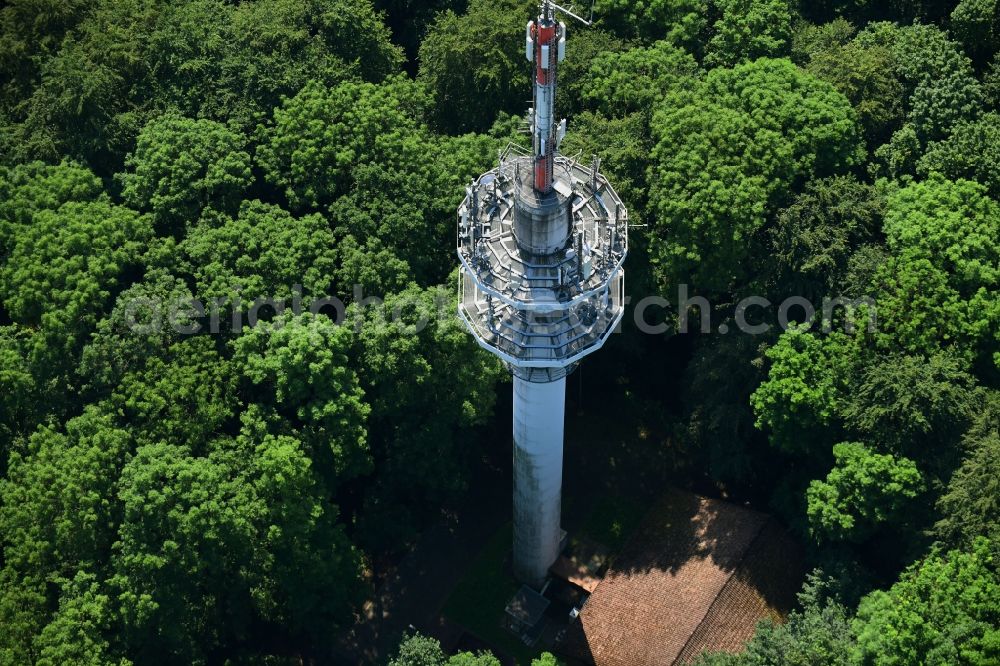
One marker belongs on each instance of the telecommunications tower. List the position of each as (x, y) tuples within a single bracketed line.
[(541, 239)]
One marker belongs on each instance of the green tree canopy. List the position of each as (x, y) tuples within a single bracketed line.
[(811, 39), (619, 83), (182, 166), (750, 29), (177, 488), (952, 224), (181, 529), (913, 405), (281, 45), (146, 319), (19, 391), (65, 268), (321, 135), (212, 546), (817, 633), (58, 514), (921, 313), (409, 20), (419, 650), (126, 62), (624, 145), (585, 47), (991, 82), (623, 90), (409, 211), (68, 261), (473, 64), (866, 76), (372, 266), (971, 152), (428, 383), (970, 506), (78, 632), (681, 22), (814, 238), (85, 103), (939, 86), (28, 188), (234, 63), (942, 611), (803, 396), (262, 253), (29, 30), (941, 287), (726, 154), (297, 365), (865, 491), (976, 23), (183, 395)]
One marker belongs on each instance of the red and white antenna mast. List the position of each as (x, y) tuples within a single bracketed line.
[(545, 45)]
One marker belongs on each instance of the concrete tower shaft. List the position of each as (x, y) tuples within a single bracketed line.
[(541, 240), (539, 414)]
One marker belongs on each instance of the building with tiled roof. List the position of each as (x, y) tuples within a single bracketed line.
[(696, 576)]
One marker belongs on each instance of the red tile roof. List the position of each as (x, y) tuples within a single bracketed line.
[(697, 576)]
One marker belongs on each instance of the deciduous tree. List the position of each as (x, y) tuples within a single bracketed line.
[(865, 491), (971, 152), (866, 76), (939, 290), (64, 270), (298, 366), (79, 631), (473, 64), (58, 515), (28, 188), (620, 83), (681, 22), (942, 611), (726, 155), (262, 253), (322, 134), (976, 23), (424, 399), (183, 395), (806, 387), (750, 29), (182, 166)]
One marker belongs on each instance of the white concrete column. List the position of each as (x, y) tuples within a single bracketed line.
[(539, 411)]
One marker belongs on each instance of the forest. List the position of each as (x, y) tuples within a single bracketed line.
[(196, 492)]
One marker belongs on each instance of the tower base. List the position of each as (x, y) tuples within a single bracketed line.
[(539, 410)]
